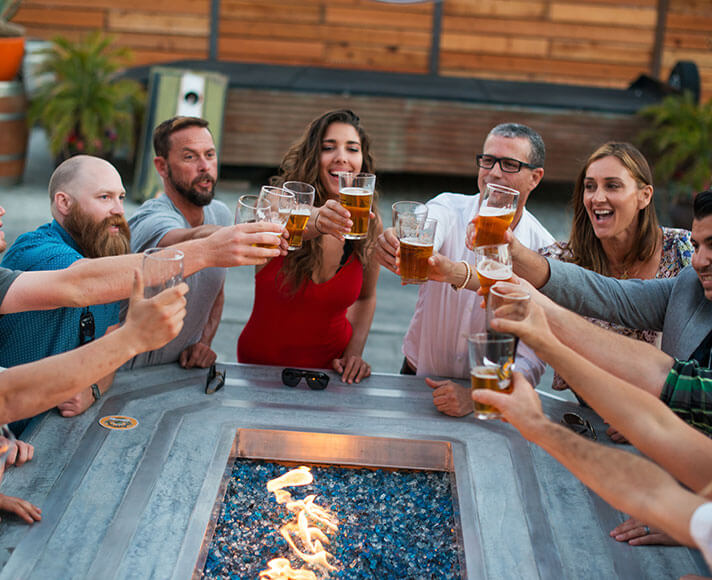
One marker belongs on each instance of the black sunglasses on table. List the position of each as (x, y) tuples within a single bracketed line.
[(507, 164), (316, 380), (215, 380), (579, 425)]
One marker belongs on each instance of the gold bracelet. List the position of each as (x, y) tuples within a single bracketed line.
[(316, 223), (468, 275)]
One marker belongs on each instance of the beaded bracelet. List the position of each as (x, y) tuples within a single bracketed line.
[(468, 275)]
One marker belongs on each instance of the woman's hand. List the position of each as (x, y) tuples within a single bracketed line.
[(331, 219), (24, 509), (352, 368), (636, 533)]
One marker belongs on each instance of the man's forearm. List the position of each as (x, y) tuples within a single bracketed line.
[(633, 361), (211, 326), (29, 389), (642, 418), (628, 482)]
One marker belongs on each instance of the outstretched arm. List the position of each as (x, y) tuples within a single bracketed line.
[(628, 482), (642, 418), (29, 389)]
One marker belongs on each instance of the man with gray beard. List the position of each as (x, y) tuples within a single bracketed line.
[(87, 197)]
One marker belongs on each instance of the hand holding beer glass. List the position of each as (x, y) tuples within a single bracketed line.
[(304, 200), (495, 214), (507, 300), (356, 195), (162, 268), (491, 366), (493, 264), (413, 209), (281, 205), (416, 237)]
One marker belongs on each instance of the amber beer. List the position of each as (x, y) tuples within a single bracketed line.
[(490, 272), (358, 201), (491, 224), (414, 254), (488, 378), (270, 246), (295, 226)]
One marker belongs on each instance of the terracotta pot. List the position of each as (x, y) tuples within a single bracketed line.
[(11, 50), (13, 132)]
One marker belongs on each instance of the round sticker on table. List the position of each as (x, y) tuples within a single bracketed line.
[(118, 422)]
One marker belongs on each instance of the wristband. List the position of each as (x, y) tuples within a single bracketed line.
[(95, 392), (316, 223)]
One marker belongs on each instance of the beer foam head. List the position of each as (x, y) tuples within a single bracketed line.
[(494, 270), (302, 210), (488, 211), (355, 191)]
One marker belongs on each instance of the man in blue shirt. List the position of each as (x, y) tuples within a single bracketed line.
[(86, 195)]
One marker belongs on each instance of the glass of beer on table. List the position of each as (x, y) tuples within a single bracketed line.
[(495, 214), (416, 236), (493, 264), (491, 366), (356, 195), (304, 200), (281, 205)]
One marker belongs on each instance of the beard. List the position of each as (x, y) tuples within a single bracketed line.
[(189, 190), (95, 239)]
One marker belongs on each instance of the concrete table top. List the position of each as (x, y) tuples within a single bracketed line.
[(136, 503)]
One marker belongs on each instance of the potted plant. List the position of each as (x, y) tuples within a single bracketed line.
[(12, 41), (678, 142), (87, 109)]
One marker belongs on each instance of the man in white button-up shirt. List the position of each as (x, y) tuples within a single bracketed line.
[(436, 341)]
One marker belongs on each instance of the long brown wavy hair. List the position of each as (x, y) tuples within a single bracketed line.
[(301, 163), (585, 246)]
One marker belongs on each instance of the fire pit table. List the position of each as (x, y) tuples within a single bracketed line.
[(141, 496)]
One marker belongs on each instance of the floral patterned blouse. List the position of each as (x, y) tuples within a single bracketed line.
[(676, 254)]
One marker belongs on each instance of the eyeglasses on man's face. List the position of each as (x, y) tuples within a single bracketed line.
[(316, 380), (507, 164)]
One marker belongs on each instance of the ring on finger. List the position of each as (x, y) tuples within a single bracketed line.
[(646, 529)]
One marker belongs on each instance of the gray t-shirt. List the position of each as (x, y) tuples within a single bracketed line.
[(7, 277), (153, 220)]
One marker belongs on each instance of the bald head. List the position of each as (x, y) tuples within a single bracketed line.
[(77, 173)]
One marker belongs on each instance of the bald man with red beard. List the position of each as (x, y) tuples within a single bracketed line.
[(86, 195)]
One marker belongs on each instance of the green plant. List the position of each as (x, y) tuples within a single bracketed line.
[(87, 109), (8, 8), (678, 142)]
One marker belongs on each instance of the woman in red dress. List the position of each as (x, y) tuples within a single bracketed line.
[(314, 307)]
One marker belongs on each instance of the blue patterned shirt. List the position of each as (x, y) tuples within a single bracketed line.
[(30, 336)]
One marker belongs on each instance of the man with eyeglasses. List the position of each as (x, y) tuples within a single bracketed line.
[(436, 342), (86, 201)]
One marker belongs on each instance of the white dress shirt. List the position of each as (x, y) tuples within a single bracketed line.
[(436, 341)]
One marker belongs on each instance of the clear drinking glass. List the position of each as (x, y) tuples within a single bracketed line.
[(304, 199), (281, 205), (495, 214), (251, 209), (356, 195), (162, 268), (416, 236), (507, 301), (418, 210), (493, 264), (491, 366)]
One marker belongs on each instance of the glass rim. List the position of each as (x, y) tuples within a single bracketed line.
[(485, 337), (404, 201), (164, 254), (274, 190), (524, 295), (309, 187), (503, 188), (251, 196), (489, 246)]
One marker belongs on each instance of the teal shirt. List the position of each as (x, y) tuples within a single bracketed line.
[(30, 336)]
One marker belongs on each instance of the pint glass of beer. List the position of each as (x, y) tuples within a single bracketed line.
[(496, 212), (281, 205), (162, 268), (507, 300), (491, 365), (304, 200), (493, 264), (416, 246), (356, 195)]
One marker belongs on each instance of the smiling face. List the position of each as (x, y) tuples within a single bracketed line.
[(613, 198), (340, 151), (702, 258), (524, 181)]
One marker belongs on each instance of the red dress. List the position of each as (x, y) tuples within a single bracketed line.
[(305, 329)]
